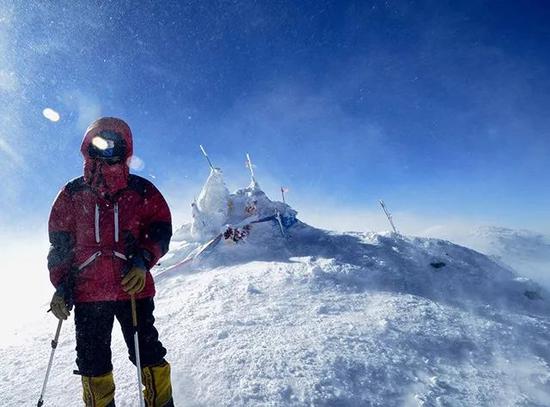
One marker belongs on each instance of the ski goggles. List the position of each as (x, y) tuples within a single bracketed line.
[(107, 145)]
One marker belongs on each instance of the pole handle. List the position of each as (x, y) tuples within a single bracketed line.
[(134, 311)]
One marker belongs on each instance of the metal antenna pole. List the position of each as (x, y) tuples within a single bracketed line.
[(136, 346), (388, 215), (249, 164), (54, 343), (206, 155), (280, 222)]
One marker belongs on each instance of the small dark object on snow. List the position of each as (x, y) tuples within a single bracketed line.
[(532, 295), (438, 264)]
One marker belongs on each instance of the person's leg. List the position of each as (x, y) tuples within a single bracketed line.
[(158, 385), (155, 369), (94, 323), (98, 391)]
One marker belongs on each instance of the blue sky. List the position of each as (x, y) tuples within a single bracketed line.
[(439, 107)]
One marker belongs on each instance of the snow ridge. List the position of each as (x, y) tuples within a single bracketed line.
[(314, 317), (367, 321), (292, 315)]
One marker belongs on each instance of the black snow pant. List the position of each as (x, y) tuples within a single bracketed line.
[(94, 323)]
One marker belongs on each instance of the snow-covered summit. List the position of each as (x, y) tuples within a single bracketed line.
[(299, 316), (312, 317)]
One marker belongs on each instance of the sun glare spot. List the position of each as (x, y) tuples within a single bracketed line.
[(136, 163), (51, 114), (100, 143)]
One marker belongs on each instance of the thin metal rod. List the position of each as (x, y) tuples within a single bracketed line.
[(136, 347), (388, 215), (54, 343), (207, 158), (280, 222), (250, 167)]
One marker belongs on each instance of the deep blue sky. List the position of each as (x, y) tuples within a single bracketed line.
[(440, 107)]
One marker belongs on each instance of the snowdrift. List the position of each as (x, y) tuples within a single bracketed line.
[(525, 251), (291, 315)]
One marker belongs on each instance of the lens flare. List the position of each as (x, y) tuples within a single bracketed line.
[(100, 143), (135, 163), (51, 114)]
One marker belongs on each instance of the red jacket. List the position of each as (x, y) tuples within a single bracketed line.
[(101, 225)]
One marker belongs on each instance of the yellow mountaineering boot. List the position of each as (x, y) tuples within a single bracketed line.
[(99, 391), (158, 387)]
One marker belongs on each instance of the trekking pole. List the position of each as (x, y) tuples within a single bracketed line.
[(136, 346), (54, 346)]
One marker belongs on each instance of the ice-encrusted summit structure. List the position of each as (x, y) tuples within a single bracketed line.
[(216, 209), (211, 209)]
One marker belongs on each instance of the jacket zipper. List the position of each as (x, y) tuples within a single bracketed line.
[(116, 222), (89, 260), (96, 223), (98, 238)]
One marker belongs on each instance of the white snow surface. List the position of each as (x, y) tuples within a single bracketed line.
[(525, 251), (317, 318), (211, 210)]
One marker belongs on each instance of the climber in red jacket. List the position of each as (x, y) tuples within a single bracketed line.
[(107, 229)]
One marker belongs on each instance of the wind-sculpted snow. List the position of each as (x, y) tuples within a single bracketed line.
[(525, 251), (298, 316), (210, 211), (328, 319), (357, 319), (465, 278)]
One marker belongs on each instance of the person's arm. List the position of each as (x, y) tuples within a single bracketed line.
[(156, 230), (153, 242), (61, 253)]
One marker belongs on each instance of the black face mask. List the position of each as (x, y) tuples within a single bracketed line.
[(107, 146), (110, 160)]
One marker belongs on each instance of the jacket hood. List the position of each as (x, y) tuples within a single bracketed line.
[(108, 124), (102, 177)]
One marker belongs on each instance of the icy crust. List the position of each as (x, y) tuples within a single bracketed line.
[(211, 210), (298, 316), (216, 210), (436, 269), (358, 319), (216, 207), (319, 318), (326, 319), (366, 322)]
